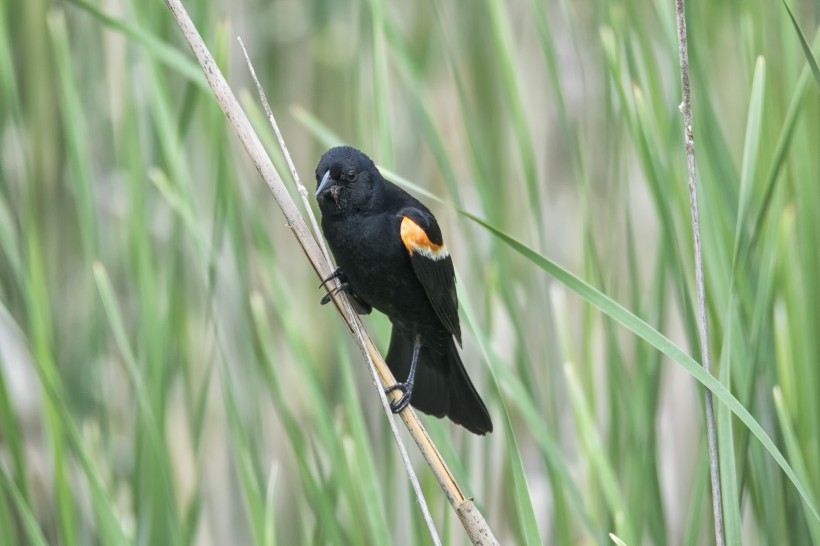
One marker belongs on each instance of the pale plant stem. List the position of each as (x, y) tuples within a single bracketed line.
[(703, 331)]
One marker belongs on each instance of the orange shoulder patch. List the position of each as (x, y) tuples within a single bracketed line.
[(416, 240)]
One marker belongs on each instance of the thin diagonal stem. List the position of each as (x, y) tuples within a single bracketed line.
[(703, 330)]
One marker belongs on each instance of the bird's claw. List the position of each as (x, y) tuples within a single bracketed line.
[(341, 288), (335, 275), (396, 406)]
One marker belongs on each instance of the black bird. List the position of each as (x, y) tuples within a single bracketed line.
[(391, 256)]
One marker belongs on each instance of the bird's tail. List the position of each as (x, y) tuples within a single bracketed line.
[(442, 386)]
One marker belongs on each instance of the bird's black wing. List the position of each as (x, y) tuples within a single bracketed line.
[(432, 264)]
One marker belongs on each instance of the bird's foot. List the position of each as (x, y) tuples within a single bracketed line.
[(397, 406), (344, 287), (335, 275)]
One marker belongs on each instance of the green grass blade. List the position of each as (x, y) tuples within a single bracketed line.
[(730, 493), (804, 45), (524, 509), (593, 447), (13, 438), (784, 140), (793, 448), (503, 43), (270, 508), (29, 521), (617, 540), (180, 63), (750, 147), (381, 82), (74, 124)]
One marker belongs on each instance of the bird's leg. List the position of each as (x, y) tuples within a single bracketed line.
[(407, 387)]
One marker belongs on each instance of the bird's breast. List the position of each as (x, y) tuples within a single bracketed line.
[(370, 252)]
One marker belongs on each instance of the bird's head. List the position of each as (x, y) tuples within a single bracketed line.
[(346, 180)]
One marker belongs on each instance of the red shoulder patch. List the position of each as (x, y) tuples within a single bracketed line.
[(416, 240)]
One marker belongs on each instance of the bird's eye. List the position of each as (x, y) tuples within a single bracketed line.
[(350, 175)]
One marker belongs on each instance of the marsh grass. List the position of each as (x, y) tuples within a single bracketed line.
[(187, 388)]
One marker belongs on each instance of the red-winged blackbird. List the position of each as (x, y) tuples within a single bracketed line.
[(391, 256)]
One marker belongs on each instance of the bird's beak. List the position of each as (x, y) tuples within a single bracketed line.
[(324, 185)]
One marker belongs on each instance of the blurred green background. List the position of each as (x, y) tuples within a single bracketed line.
[(167, 375)]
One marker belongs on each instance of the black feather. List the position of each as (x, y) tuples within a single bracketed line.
[(438, 279)]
